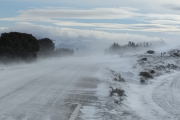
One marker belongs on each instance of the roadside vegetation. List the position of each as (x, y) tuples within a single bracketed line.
[(116, 92), (155, 64)]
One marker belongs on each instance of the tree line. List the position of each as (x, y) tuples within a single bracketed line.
[(115, 48), (25, 47)]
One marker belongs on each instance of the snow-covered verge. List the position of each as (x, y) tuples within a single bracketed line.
[(158, 99), (112, 107)]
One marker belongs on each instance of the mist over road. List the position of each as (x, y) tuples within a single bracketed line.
[(39, 91)]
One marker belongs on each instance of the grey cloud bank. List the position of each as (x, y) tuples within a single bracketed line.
[(89, 39)]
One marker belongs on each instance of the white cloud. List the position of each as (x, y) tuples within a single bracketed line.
[(153, 22), (105, 2), (47, 14), (153, 27), (50, 14), (3, 28), (165, 22)]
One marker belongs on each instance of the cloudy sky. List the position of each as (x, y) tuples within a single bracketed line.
[(79, 22)]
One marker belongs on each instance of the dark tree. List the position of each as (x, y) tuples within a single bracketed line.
[(46, 46), (115, 48), (131, 44), (63, 52), (18, 45)]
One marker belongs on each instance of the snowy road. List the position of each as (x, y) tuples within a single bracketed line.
[(39, 91), (47, 90)]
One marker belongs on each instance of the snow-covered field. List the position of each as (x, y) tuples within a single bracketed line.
[(49, 89)]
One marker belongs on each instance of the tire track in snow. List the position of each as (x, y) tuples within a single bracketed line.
[(17, 100), (25, 85), (167, 96), (42, 97)]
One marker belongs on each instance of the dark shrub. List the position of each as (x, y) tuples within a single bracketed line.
[(118, 91), (150, 52), (152, 71), (176, 54), (142, 81), (144, 59), (121, 79), (115, 79), (160, 67), (116, 101), (172, 66), (145, 74)]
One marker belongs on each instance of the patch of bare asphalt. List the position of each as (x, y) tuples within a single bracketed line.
[(106, 108)]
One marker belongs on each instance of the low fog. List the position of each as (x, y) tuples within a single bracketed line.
[(48, 81), (89, 60)]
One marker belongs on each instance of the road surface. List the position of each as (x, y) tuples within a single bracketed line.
[(45, 90)]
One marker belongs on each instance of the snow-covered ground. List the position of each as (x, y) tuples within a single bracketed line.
[(159, 99), (49, 89), (46, 90)]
